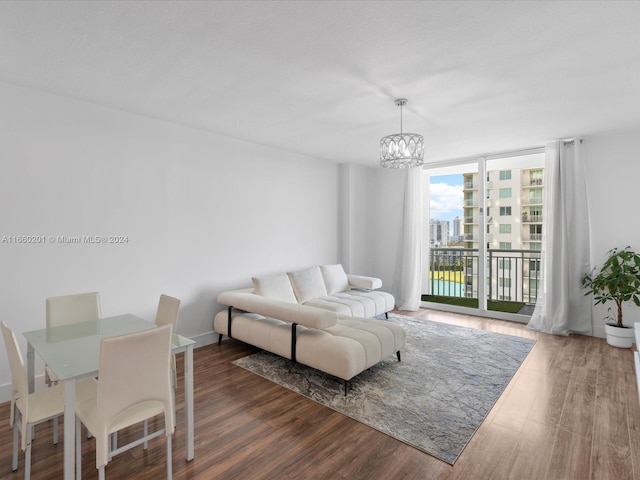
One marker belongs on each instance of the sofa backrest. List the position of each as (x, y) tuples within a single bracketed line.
[(303, 285), (286, 311)]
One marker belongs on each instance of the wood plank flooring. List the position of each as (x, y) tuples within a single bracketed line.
[(571, 412)]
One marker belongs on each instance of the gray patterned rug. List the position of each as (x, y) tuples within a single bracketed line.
[(435, 399)]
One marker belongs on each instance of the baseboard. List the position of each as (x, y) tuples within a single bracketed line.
[(598, 331), (205, 339)]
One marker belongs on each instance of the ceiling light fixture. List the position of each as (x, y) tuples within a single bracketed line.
[(401, 150)]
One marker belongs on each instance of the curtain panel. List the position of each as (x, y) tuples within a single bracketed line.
[(562, 308), (410, 254)]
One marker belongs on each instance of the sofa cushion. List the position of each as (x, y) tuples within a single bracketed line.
[(307, 284), (335, 279), (277, 287)]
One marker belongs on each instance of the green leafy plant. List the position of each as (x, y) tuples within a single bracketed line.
[(617, 281)]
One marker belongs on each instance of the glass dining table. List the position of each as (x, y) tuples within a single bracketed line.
[(72, 353)]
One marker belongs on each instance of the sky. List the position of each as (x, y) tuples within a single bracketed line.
[(446, 197)]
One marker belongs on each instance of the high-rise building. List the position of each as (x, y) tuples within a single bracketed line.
[(512, 221), (439, 233), (458, 229)]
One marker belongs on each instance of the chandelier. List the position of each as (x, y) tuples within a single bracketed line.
[(401, 150)]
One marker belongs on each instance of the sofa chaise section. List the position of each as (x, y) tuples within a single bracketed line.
[(283, 319)]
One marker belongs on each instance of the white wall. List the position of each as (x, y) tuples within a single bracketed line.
[(375, 203), (202, 213), (612, 163)]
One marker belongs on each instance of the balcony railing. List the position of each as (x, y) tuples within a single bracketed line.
[(535, 182), (531, 218), (533, 237), (511, 275)]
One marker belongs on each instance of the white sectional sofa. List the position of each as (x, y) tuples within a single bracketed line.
[(319, 316)]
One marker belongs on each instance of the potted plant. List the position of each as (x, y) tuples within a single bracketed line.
[(618, 281)]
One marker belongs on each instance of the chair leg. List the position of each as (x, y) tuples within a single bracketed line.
[(145, 432), (27, 454), (16, 439), (101, 473), (55, 430), (78, 449), (169, 460), (114, 443)]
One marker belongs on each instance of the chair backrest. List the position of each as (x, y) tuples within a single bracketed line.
[(19, 383), (68, 309), (168, 309), (134, 373)]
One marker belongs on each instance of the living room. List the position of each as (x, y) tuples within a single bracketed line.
[(200, 210)]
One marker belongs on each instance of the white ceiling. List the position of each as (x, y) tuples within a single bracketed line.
[(320, 77)]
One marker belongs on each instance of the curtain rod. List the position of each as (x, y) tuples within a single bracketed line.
[(495, 155)]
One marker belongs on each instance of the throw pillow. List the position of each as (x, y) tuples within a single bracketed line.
[(277, 287), (308, 284), (335, 278)]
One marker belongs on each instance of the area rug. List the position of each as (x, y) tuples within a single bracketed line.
[(434, 399)]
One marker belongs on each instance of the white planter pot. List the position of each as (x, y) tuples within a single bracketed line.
[(619, 337)]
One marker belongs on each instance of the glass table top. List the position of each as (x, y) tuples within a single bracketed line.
[(72, 351)]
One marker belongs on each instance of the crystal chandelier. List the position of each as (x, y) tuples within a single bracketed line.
[(401, 150)]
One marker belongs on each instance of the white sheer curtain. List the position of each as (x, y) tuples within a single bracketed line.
[(562, 308), (410, 254)]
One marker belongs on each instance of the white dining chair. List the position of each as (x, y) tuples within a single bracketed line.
[(167, 314), (168, 310), (27, 410), (30, 409), (66, 310), (69, 309), (134, 384)]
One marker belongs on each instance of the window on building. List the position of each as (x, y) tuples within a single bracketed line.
[(505, 228), (535, 193), (505, 211), (505, 174), (505, 245), (535, 177), (504, 282), (504, 263), (505, 193), (536, 246)]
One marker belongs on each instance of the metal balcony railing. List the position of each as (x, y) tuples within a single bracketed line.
[(533, 237), (511, 275)]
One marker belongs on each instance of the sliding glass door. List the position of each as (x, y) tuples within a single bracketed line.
[(485, 232)]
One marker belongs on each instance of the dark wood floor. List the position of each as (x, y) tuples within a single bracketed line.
[(570, 412)]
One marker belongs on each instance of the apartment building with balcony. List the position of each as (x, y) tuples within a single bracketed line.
[(511, 229)]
